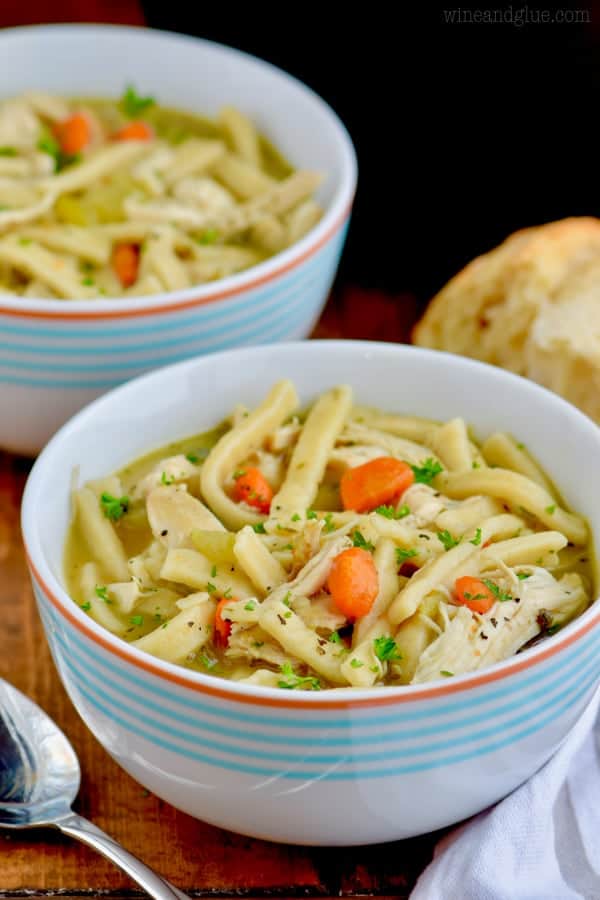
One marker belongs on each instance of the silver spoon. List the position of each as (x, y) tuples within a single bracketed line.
[(39, 780)]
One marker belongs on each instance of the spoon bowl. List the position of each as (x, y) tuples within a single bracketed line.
[(39, 780), (39, 771)]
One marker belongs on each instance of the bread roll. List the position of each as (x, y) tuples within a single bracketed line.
[(531, 305)]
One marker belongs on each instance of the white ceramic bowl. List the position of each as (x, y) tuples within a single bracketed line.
[(318, 768), (56, 356)]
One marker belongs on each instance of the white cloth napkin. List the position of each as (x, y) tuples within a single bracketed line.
[(541, 843)]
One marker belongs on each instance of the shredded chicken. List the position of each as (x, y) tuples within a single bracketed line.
[(173, 514), (319, 613), (425, 503), (471, 641), (172, 470)]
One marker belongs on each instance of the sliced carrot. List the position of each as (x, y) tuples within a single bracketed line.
[(353, 582), (126, 263), (135, 131), (222, 625), (375, 483), (473, 593), (73, 134), (252, 487)]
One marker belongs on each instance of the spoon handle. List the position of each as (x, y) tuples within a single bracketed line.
[(78, 827)]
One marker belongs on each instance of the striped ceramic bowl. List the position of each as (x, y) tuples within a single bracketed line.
[(56, 356), (342, 767)]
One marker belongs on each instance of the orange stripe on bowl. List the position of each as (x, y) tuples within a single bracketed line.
[(286, 702), (95, 313)]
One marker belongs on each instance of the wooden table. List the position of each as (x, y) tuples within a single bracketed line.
[(198, 858)]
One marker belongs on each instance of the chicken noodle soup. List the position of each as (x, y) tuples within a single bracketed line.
[(110, 198), (336, 547)]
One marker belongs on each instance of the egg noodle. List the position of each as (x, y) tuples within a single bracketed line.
[(335, 548), (124, 198)]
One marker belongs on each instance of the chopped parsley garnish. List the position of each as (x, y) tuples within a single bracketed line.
[(86, 606), (8, 151), (208, 237), (238, 474), (468, 596), (259, 528), (250, 606), (475, 464), (113, 507), (198, 455), (500, 595), (137, 620), (208, 661), (520, 446), (227, 594), (25, 241), (402, 555), (477, 539), (523, 575), (334, 638), (296, 517), (47, 144), (167, 479), (102, 592), (446, 673), (328, 524), (388, 512), (133, 105), (448, 541), (213, 572), (425, 473), (356, 663), (88, 281), (359, 540), (292, 681), (210, 587), (287, 600), (311, 514), (551, 509), (385, 649)]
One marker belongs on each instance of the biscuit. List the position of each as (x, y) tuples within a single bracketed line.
[(531, 305)]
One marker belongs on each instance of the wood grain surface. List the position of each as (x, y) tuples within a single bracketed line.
[(198, 858)]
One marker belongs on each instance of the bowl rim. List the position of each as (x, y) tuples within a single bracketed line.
[(260, 695), (334, 218)]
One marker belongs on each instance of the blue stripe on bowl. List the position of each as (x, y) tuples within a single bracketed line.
[(191, 326), (350, 774), (447, 706), (328, 255), (512, 688), (260, 334), (534, 697), (287, 305), (544, 700)]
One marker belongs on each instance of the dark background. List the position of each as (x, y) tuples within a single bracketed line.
[(464, 132)]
